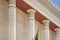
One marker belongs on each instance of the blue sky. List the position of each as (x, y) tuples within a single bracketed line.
[(57, 2)]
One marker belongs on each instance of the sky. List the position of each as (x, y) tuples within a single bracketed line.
[(57, 2)]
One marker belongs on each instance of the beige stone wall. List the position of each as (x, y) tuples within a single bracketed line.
[(3, 19), (21, 25)]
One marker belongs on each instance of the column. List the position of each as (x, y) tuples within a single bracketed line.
[(12, 20), (57, 33), (31, 23), (46, 29)]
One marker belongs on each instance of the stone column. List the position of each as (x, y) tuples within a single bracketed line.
[(46, 29), (12, 20), (31, 23), (57, 33)]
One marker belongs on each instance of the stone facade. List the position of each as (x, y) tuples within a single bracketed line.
[(22, 28)]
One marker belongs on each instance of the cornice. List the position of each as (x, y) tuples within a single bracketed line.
[(48, 5)]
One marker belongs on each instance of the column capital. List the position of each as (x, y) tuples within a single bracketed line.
[(57, 33), (12, 3), (46, 24), (57, 29), (31, 10), (46, 21)]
